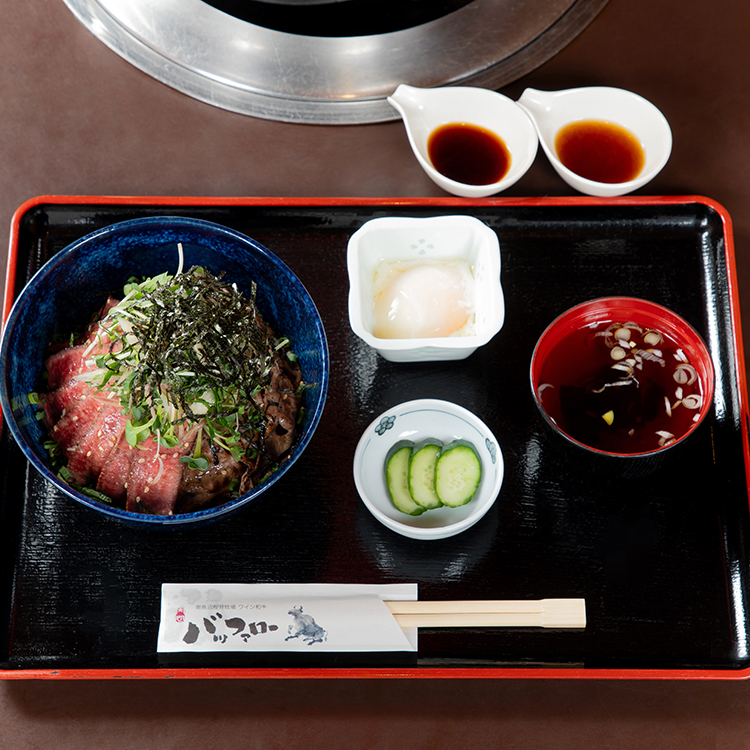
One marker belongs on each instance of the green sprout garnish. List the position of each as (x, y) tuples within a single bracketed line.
[(188, 350)]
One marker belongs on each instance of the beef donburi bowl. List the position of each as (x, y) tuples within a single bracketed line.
[(164, 370)]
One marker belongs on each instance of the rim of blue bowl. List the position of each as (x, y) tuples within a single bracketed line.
[(312, 419)]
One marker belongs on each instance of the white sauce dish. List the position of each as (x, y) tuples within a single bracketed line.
[(425, 111), (551, 111)]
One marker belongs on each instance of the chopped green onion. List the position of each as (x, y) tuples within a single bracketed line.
[(186, 350)]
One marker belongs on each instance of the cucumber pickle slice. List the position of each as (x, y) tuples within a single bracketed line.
[(422, 473), (428, 474), (397, 477), (458, 472)]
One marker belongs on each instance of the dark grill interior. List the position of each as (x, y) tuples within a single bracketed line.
[(340, 18)]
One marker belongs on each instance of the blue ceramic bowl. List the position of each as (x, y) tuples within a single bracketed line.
[(73, 284)]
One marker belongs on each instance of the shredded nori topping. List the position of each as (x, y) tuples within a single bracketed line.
[(189, 348), (205, 335)]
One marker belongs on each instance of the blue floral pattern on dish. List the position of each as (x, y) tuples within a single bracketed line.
[(386, 423), (492, 448)]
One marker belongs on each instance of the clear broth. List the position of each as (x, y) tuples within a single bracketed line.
[(646, 397)]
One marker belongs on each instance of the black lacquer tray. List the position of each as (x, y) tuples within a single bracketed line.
[(662, 560)]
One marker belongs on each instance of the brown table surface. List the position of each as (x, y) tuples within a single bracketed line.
[(77, 119)]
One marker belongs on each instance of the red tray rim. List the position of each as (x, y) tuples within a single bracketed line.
[(410, 672)]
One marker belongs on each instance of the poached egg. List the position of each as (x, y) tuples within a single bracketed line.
[(425, 299)]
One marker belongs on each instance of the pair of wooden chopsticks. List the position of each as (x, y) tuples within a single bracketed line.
[(539, 613)]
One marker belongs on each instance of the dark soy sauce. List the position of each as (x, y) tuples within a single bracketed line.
[(621, 388), (468, 154), (600, 151)]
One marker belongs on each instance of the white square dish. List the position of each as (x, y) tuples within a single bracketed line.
[(433, 239)]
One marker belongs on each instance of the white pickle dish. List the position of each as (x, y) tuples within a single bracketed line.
[(419, 424)]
